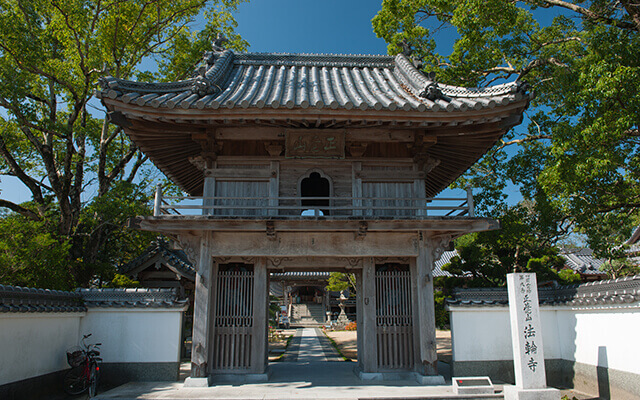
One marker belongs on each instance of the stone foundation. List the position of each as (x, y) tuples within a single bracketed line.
[(597, 381)]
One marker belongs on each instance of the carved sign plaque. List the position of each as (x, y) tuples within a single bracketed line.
[(314, 144)]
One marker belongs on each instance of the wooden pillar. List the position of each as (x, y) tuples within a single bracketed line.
[(208, 192), (203, 310), (419, 193), (274, 187), (368, 351), (356, 187), (359, 318), (260, 315), (427, 363)]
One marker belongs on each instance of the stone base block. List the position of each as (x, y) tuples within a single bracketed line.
[(399, 376), (472, 385), (429, 379), (197, 382), (241, 378), (516, 393)]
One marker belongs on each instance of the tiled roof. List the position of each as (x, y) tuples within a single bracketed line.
[(132, 298), (268, 80), (176, 258), (444, 259), (582, 261), (16, 299), (300, 275), (609, 292), (634, 236)]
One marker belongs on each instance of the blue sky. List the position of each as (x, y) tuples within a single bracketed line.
[(299, 26)]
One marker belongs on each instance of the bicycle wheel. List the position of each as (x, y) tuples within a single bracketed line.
[(74, 381), (94, 378)]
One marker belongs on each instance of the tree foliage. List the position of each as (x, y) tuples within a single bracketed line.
[(84, 175), (485, 258), (339, 281), (579, 152)]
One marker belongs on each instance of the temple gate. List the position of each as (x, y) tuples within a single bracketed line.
[(312, 163)]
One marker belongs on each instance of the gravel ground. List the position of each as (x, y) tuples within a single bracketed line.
[(346, 341)]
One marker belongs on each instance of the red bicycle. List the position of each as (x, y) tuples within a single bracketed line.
[(85, 372)]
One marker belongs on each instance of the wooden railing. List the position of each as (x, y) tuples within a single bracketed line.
[(292, 207)]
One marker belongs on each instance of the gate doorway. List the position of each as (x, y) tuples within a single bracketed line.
[(313, 311)]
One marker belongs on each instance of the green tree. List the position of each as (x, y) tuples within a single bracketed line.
[(580, 149), (84, 175), (31, 254), (485, 258), (339, 281)]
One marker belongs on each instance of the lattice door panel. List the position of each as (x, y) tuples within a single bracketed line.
[(394, 317), (234, 317)]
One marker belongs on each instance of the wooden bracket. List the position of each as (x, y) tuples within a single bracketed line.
[(210, 147), (133, 223), (274, 148), (357, 149), (419, 151), (271, 230), (362, 230)]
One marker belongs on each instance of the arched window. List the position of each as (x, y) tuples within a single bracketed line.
[(315, 183)]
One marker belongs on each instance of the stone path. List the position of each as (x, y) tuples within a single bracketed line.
[(310, 345)]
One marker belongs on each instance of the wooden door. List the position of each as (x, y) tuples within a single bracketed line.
[(234, 318), (394, 317)]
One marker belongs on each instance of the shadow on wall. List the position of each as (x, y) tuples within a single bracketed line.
[(560, 371), (603, 374)]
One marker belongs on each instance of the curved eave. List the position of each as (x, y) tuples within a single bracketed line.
[(207, 116), (461, 138)]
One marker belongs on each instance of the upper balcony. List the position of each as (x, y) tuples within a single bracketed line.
[(312, 208)]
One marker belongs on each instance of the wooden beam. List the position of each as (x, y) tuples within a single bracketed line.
[(198, 223), (289, 244), (241, 174)]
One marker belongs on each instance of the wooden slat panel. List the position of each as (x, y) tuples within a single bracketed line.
[(233, 320), (257, 191), (244, 174), (390, 176), (396, 191), (394, 319)]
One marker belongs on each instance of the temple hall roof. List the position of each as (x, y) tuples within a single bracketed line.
[(582, 261), (268, 80), (159, 249)]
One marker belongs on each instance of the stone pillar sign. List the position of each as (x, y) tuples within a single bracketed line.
[(526, 338)]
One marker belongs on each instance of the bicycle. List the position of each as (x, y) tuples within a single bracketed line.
[(85, 372)]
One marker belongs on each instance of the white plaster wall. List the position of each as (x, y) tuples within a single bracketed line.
[(608, 337), (135, 335), (480, 335), (34, 344), (605, 338)]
